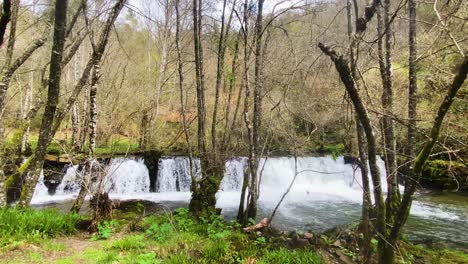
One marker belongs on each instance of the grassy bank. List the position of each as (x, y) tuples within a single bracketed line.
[(162, 238), (50, 237)]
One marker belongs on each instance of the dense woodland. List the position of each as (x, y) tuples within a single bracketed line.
[(217, 79)]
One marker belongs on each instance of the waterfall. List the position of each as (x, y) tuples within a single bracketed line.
[(174, 174), (127, 176), (327, 192), (123, 176), (41, 189), (70, 183)]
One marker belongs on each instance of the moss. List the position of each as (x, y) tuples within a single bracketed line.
[(445, 175)]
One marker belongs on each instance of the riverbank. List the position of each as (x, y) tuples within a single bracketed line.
[(135, 235)]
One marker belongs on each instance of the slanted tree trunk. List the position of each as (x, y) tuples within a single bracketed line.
[(361, 141), (423, 155), (56, 120), (52, 102), (346, 77)]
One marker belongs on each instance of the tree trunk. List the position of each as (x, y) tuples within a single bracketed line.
[(257, 113), (412, 91), (55, 120), (361, 142), (5, 19), (423, 155), (346, 77), (52, 101), (385, 31), (241, 214), (93, 110), (181, 90)]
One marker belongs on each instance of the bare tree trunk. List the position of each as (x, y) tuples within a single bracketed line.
[(28, 100), (52, 102), (219, 77), (229, 125), (5, 19), (346, 77), (388, 127), (199, 75), (424, 154), (56, 120), (257, 113), (241, 214), (162, 67), (85, 121), (361, 142), (93, 110), (412, 91), (180, 72)]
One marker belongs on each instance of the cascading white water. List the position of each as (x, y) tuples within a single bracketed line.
[(70, 183), (123, 176), (127, 176), (174, 174), (327, 192), (41, 189)]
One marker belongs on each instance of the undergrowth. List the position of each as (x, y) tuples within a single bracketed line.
[(33, 225)]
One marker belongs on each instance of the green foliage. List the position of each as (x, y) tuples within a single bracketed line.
[(32, 225), (445, 174), (160, 232), (129, 243), (146, 258), (334, 150), (104, 230), (285, 256), (184, 222), (374, 244), (260, 240)]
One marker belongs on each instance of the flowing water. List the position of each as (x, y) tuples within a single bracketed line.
[(326, 193)]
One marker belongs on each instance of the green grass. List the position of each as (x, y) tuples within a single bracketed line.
[(168, 238), (412, 253), (31, 225), (285, 256)]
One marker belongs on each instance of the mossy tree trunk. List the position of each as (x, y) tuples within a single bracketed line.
[(52, 102)]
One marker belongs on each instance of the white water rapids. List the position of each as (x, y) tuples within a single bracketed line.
[(327, 192)]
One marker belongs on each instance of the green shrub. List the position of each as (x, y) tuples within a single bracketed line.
[(285, 256), (104, 230), (32, 225), (160, 232)]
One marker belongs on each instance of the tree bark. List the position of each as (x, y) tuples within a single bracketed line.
[(388, 127), (5, 19), (241, 214), (412, 91), (361, 142), (424, 153), (56, 119), (346, 77), (180, 71), (52, 101), (257, 113)]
